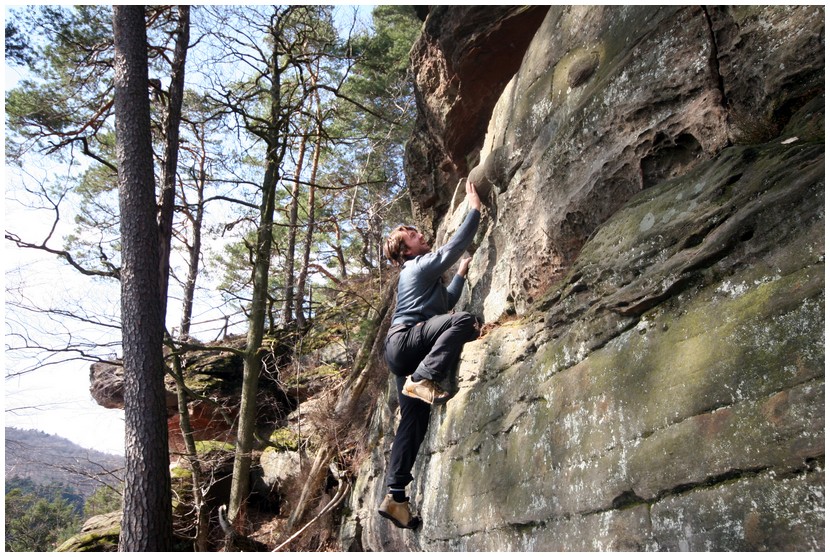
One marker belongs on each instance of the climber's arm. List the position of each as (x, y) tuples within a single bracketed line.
[(435, 264)]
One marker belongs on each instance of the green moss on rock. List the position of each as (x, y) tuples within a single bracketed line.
[(212, 445), (284, 439), (106, 540), (180, 473)]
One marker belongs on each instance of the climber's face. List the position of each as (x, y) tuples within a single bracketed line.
[(415, 243)]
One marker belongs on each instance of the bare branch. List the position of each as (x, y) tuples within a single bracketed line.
[(113, 272)]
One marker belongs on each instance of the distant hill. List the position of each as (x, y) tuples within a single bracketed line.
[(46, 459)]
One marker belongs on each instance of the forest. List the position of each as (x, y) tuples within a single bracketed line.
[(52, 486), (229, 170)]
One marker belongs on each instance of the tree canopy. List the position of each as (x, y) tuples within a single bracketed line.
[(39, 518), (60, 117)]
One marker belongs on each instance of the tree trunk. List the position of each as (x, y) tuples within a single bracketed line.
[(240, 483), (288, 308), (309, 234), (303, 275), (252, 359), (171, 152), (338, 249), (194, 249), (147, 521), (200, 542)]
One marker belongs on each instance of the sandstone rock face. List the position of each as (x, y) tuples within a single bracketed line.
[(215, 376), (106, 384), (455, 91), (652, 263), (279, 475), (99, 533)]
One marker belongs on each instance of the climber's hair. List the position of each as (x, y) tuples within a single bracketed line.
[(394, 246)]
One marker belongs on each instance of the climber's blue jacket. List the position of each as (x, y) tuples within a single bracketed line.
[(421, 292)]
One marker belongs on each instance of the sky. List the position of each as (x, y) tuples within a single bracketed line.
[(55, 398)]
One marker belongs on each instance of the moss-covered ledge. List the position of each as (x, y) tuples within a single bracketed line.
[(99, 533)]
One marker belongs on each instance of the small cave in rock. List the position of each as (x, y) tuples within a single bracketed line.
[(669, 158)]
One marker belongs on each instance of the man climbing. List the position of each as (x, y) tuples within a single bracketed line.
[(424, 342)]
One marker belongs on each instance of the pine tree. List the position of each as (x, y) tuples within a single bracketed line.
[(147, 521)]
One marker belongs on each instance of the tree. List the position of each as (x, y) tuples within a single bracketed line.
[(376, 111), (61, 108), (166, 209), (199, 159), (313, 132), (276, 146), (196, 149), (18, 50), (103, 500), (312, 191), (171, 152), (65, 106), (81, 31), (36, 523), (266, 105), (70, 105), (147, 522)]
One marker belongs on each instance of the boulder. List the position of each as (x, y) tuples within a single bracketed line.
[(281, 475), (651, 267), (99, 533)]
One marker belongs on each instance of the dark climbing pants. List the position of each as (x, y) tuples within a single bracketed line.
[(431, 348)]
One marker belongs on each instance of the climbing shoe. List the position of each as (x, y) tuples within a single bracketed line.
[(398, 513), (424, 390)]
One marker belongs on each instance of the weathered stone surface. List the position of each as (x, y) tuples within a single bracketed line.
[(767, 59), (649, 111), (655, 376), (207, 423), (99, 533), (279, 468), (106, 384), (760, 513), (455, 92), (214, 375), (280, 475)]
